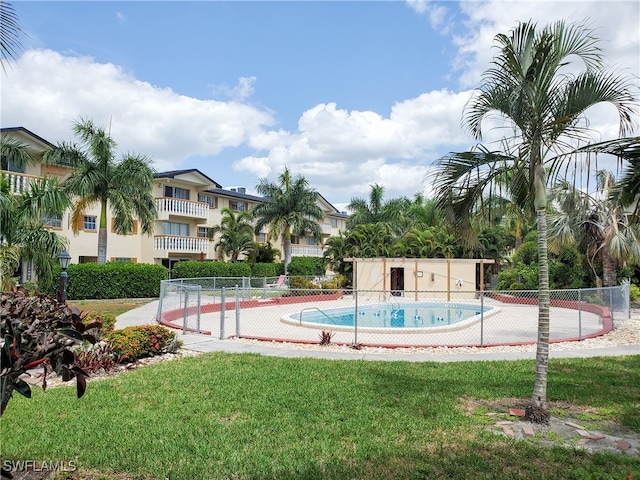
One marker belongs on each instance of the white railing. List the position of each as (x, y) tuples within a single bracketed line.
[(306, 251), (18, 182), (326, 228), (179, 206), (176, 243)]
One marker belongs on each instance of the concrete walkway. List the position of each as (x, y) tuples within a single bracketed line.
[(146, 314)]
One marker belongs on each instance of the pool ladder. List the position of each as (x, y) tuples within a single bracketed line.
[(315, 308)]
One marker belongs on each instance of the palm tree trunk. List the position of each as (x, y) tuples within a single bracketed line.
[(287, 252), (537, 411), (102, 234), (609, 269)]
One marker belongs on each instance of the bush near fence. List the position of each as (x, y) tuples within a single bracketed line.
[(193, 269), (307, 266), (112, 280)]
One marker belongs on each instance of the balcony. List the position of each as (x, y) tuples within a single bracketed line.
[(177, 206), (326, 228), (165, 244), (306, 251), (18, 182)]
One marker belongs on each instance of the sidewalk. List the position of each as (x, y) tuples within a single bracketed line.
[(146, 314)]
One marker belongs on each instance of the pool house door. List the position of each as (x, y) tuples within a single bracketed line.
[(397, 281)]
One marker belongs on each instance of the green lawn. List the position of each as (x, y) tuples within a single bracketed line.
[(246, 416)]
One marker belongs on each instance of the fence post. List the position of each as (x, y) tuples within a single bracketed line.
[(355, 320), (199, 290), (237, 313), (482, 319), (163, 287), (579, 315), (222, 312), (185, 313)]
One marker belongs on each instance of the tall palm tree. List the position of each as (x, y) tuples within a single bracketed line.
[(124, 187), (375, 209), (597, 223), (545, 106), (291, 209), (236, 234), (9, 33)]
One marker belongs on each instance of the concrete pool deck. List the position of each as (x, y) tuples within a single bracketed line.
[(146, 314)]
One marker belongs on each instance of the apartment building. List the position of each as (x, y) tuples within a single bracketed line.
[(188, 203)]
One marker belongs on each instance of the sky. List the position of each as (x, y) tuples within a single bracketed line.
[(347, 94)]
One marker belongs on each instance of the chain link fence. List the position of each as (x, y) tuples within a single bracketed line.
[(265, 309)]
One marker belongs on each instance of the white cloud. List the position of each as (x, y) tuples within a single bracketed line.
[(341, 152), (46, 92), (240, 92), (616, 25)]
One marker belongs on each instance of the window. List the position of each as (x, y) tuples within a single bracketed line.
[(237, 206), (311, 241), (295, 240), (176, 192), (333, 222), (123, 260), (262, 238), (203, 232), (53, 221), (212, 201), (89, 222), (173, 228)]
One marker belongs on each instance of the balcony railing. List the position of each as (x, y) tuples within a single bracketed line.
[(177, 206), (176, 243), (306, 251), (18, 182)]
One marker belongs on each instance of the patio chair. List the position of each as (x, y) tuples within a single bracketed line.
[(277, 283)]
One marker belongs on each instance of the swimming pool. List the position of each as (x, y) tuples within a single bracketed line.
[(419, 317)]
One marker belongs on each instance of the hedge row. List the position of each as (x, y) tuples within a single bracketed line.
[(114, 280), (306, 266)]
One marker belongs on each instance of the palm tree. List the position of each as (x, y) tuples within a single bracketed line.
[(124, 187), (236, 234), (375, 209), (23, 235), (9, 33), (545, 106), (337, 249), (597, 223), (371, 240), (290, 209)]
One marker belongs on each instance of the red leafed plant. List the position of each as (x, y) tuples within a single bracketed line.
[(38, 331), (326, 337)]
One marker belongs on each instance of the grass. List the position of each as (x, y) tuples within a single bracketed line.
[(113, 307), (244, 416)]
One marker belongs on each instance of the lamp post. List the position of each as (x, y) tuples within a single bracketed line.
[(64, 259)]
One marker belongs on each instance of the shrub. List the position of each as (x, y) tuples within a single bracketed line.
[(95, 358), (325, 337), (133, 343), (38, 331), (265, 269), (302, 283), (107, 320), (308, 266), (191, 269), (634, 292), (113, 280)]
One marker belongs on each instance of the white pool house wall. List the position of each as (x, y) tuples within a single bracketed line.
[(457, 275)]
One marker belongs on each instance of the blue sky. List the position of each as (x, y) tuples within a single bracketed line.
[(346, 93)]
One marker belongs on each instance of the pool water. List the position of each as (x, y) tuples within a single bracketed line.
[(419, 315)]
